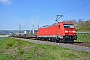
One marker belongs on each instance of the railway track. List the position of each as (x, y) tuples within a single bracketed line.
[(81, 46), (85, 44)]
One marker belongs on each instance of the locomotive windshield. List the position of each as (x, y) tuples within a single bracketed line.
[(68, 26)]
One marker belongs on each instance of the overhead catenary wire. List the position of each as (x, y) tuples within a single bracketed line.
[(77, 8), (47, 20), (85, 4), (81, 15), (66, 12), (73, 9)]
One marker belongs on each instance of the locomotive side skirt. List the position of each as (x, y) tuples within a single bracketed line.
[(50, 37)]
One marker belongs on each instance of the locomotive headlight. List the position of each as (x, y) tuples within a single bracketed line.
[(74, 31), (66, 31)]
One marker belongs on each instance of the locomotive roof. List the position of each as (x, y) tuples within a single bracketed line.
[(66, 22), (57, 23)]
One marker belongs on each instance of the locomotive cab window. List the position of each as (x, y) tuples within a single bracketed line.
[(58, 26), (68, 26)]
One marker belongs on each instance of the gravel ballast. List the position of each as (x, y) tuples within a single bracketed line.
[(71, 46)]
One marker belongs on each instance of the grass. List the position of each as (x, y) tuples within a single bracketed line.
[(83, 38), (14, 49)]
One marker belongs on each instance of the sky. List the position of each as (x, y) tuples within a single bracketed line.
[(40, 12)]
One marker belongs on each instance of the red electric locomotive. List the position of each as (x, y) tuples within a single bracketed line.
[(61, 31)]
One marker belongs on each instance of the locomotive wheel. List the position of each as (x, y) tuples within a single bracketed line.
[(68, 41), (60, 40), (43, 39), (57, 41), (72, 41), (51, 40)]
